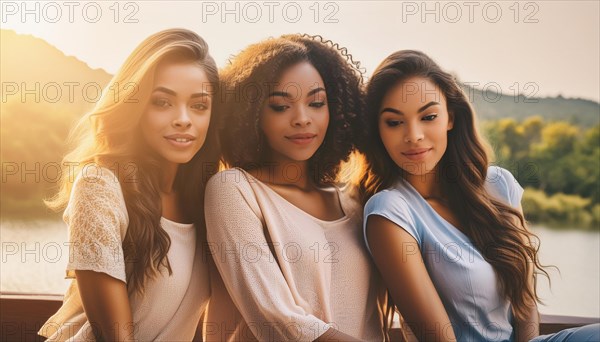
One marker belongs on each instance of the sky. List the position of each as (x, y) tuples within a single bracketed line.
[(537, 48)]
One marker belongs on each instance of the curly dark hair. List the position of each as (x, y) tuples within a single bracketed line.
[(245, 85)]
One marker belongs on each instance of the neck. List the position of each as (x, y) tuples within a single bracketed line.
[(288, 172), (169, 171), (427, 185)]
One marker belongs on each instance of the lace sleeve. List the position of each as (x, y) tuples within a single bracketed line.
[(97, 220)]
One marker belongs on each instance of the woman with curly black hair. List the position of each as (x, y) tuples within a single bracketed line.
[(285, 238)]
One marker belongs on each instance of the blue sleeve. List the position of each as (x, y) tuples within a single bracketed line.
[(393, 207), (505, 186)]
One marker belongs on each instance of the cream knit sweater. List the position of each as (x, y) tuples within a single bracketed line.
[(319, 276)]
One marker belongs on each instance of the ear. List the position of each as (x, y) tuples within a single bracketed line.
[(450, 121)]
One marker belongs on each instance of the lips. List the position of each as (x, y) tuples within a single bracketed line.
[(301, 138), (180, 140), (416, 154)]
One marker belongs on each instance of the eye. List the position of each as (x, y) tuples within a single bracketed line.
[(200, 106), (430, 117), (278, 108), (161, 102), (317, 104), (392, 123)]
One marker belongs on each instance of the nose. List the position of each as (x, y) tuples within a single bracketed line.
[(182, 120), (413, 133), (301, 117)]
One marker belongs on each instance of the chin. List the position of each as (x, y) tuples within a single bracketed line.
[(178, 159), (297, 156), (302, 157), (415, 169)]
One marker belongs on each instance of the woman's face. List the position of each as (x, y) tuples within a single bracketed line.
[(413, 124), (175, 121), (295, 116)]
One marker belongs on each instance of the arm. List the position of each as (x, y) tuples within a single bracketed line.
[(406, 277), (97, 220), (529, 328), (106, 304)]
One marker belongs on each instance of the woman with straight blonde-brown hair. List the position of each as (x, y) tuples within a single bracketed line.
[(133, 200)]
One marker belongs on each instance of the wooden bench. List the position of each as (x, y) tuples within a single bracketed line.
[(22, 315)]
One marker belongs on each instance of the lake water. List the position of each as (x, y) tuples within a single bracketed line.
[(35, 253)]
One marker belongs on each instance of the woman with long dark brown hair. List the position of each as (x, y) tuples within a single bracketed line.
[(133, 199), (445, 229)]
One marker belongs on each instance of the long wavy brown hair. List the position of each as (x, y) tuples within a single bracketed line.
[(246, 83), (109, 136), (497, 230)]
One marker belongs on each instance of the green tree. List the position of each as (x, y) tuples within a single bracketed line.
[(552, 155)]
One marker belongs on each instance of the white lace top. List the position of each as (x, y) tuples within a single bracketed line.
[(171, 305)]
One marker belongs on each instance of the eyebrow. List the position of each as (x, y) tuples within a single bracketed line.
[(171, 92), (314, 91), (286, 94), (396, 111), (280, 93)]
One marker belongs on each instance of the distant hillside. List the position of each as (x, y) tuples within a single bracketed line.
[(24, 58), (580, 112), (33, 131)]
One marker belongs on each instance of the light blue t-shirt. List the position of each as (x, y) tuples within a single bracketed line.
[(465, 282)]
